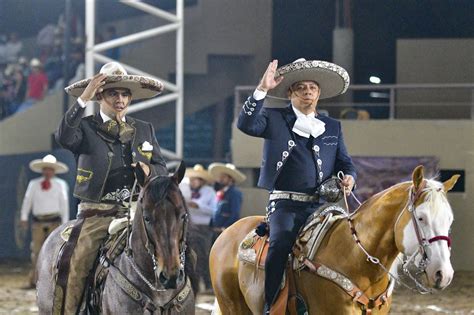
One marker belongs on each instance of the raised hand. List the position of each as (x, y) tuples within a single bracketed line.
[(268, 80), (94, 86)]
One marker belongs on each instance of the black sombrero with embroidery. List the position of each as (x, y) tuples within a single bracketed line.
[(333, 80)]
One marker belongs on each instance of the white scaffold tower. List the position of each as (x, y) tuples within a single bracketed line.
[(94, 53)]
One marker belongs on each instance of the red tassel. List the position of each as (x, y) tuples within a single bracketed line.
[(46, 184), (220, 195)]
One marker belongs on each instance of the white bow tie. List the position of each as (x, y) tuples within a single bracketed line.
[(307, 125)]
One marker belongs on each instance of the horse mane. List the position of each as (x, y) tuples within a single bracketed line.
[(158, 187), (434, 191)]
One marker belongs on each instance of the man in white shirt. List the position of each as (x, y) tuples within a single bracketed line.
[(47, 198), (201, 201)]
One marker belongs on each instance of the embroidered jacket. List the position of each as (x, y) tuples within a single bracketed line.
[(94, 154), (275, 126)]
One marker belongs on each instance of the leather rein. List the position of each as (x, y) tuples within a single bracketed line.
[(367, 304), (151, 252)]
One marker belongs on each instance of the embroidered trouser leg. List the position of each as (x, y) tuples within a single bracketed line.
[(39, 232), (284, 223), (92, 234)]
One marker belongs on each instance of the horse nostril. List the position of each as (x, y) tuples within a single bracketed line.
[(439, 278), (163, 278)]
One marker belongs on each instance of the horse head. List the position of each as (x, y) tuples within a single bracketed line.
[(422, 229), (160, 223)]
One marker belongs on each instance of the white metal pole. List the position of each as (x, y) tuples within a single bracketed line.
[(179, 78), (90, 39), (151, 10)]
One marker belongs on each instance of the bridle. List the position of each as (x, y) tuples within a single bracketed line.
[(150, 248), (423, 243)]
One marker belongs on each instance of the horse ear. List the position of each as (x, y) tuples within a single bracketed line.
[(418, 176), (179, 174), (140, 175), (449, 184)]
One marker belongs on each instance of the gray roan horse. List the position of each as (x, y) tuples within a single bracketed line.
[(138, 283)]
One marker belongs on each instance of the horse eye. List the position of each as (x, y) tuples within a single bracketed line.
[(420, 219), (183, 216), (147, 219)]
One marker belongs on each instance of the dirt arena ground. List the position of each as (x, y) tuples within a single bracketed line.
[(457, 299)]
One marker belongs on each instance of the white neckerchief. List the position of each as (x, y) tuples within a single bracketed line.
[(106, 118), (307, 125)]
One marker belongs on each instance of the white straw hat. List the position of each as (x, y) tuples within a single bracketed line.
[(198, 171), (48, 161), (216, 169)]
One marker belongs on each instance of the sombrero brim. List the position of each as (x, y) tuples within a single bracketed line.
[(217, 170), (38, 165), (333, 80), (141, 87), (200, 174)]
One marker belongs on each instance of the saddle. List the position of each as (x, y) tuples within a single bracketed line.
[(104, 267), (254, 248)]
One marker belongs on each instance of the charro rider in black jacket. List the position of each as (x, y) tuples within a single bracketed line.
[(107, 147)]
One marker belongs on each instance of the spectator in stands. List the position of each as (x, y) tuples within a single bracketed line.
[(229, 197), (13, 48), (20, 84), (37, 85), (47, 198), (45, 40), (111, 34), (37, 81), (201, 201), (3, 48)]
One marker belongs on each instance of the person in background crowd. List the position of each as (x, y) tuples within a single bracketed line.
[(37, 85), (13, 48), (37, 81), (113, 53), (47, 199), (201, 201), (229, 197)]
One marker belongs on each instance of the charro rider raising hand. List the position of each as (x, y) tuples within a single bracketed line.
[(107, 146), (301, 150)]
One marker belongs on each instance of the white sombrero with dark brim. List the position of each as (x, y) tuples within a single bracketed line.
[(200, 172), (117, 77), (333, 80), (216, 169), (49, 161)]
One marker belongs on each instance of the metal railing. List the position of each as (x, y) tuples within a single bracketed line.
[(392, 101)]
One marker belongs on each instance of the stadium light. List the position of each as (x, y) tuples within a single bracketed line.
[(375, 80)]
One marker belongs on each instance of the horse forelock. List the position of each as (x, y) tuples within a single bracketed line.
[(158, 188), (437, 199)]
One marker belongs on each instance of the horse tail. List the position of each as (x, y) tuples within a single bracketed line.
[(217, 309)]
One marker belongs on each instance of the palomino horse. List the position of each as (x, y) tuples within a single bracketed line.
[(150, 277), (405, 218)]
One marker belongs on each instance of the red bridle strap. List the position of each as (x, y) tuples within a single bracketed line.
[(441, 238)]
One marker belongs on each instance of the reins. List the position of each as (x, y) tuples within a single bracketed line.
[(423, 243)]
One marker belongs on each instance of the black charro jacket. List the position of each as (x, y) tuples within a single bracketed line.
[(94, 154)]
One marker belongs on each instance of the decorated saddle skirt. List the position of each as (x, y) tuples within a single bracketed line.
[(253, 249)]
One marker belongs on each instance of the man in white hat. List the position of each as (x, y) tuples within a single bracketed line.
[(107, 147), (201, 201), (47, 198), (301, 150), (229, 196)]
